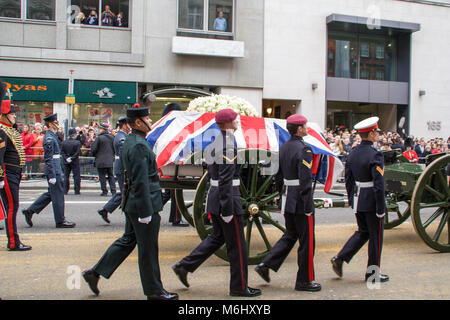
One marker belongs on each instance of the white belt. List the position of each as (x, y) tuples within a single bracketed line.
[(292, 183), (215, 183), (368, 184), (56, 156)]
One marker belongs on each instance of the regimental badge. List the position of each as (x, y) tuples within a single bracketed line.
[(307, 164), (380, 170)]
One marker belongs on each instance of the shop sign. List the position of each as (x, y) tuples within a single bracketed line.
[(70, 99), (113, 92), (28, 89)]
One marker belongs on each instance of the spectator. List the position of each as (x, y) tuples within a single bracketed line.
[(107, 17), (346, 148), (410, 154), (80, 18), (38, 149), (103, 151), (336, 146), (92, 19), (119, 21), (398, 144), (437, 148), (27, 142), (90, 138), (420, 150), (220, 23)]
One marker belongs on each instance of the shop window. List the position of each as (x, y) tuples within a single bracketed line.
[(106, 13), (206, 18), (28, 9)]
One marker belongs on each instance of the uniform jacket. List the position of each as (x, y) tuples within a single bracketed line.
[(103, 150), (139, 161), (119, 140), (70, 148), (295, 164), (366, 164), (52, 165), (11, 149), (223, 167)]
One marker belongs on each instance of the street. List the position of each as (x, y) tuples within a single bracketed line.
[(51, 270)]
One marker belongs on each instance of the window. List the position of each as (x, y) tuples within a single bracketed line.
[(106, 13), (28, 9), (207, 18)]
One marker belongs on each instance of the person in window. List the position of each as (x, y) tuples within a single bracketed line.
[(108, 17), (220, 24), (92, 19), (79, 19), (119, 21)]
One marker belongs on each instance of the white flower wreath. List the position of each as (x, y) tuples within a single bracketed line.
[(218, 102)]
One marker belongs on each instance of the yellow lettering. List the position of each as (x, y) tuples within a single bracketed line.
[(42, 88), (17, 87), (29, 87)]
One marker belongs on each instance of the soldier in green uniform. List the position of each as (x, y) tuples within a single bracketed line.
[(142, 203)]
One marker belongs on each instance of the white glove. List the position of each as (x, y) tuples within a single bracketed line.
[(145, 220), (2, 184), (52, 180), (69, 159), (227, 219)]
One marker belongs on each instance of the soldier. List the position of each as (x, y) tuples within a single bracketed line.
[(295, 169), (12, 158), (141, 203), (53, 171), (119, 140), (70, 152), (364, 181), (225, 207)]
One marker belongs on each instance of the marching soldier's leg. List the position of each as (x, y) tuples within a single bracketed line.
[(40, 203), (357, 240), (10, 199), (376, 229), (57, 197), (305, 258)]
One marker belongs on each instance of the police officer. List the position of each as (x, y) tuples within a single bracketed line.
[(12, 158), (119, 139), (70, 152), (295, 169), (225, 207), (364, 181), (142, 206), (103, 151), (53, 171)]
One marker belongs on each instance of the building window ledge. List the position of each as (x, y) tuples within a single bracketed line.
[(208, 47)]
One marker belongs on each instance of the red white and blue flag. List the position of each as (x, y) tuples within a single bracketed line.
[(179, 134)]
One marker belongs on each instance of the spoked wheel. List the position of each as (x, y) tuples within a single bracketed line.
[(184, 207), (430, 205), (258, 199), (398, 211)]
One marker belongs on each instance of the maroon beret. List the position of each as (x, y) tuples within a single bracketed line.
[(225, 116), (7, 107), (297, 119)]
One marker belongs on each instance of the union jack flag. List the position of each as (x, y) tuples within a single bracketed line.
[(180, 133)]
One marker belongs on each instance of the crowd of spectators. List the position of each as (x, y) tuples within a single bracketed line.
[(342, 140), (107, 18)]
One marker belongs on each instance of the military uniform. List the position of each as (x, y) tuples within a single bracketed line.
[(224, 205), (53, 172), (364, 181), (295, 170), (70, 152), (12, 158)]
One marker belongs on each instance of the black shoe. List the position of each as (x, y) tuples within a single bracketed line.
[(180, 224), (382, 277), (92, 278), (337, 265), (103, 194), (263, 271), (163, 295), (104, 215), (77, 193), (66, 224), (308, 286), (20, 247), (181, 272), (249, 292), (28, 215)]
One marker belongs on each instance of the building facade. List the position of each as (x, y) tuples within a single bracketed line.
[(334, 61)]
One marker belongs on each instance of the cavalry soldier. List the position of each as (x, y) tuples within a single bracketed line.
[(70, 152), (141, 203), (225, 208), (12, 158), (295, 170), (364, 181), (119, 140), (53, 171)]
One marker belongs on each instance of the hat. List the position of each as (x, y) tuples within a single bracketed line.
[(7, 107), (171, 107), (137, 111), (297, 119), (368, 124), (51, 118), (409, 142), (104, 126), (122, 120), (225, 116), (72, 132)]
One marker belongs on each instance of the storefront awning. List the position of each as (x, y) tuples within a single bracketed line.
[(110, 92)]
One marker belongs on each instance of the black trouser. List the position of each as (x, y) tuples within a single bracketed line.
[(115, 201), (146, 238), (102, 172), (73, 167), (232, 234), (299, 227), (370, 228), (10, 200), (175, 214), (55, 195)]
